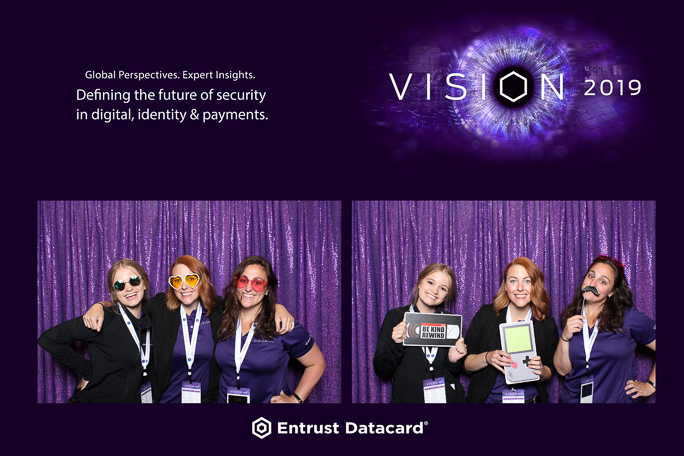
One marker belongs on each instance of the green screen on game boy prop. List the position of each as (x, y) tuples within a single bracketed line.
[(518, 339)]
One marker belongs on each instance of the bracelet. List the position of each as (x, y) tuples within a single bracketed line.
[(651, 383), (486, 359), (568, 341), (298, 398)]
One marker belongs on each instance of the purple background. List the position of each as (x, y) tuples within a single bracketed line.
[(309, 57), (393, 241), (79, 241)]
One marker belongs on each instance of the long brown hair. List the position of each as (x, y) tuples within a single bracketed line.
[(612, 313), (429, 269), (539, 298), (265, 320), (206, 289)]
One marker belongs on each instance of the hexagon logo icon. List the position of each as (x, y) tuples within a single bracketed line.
[(501, 87), (261, 427)]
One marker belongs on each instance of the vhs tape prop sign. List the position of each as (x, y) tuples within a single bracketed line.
[(432, 330)]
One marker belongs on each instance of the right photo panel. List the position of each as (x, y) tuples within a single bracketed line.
[(503, 301)]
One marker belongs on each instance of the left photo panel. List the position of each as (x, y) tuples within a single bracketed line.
[(189, 301)]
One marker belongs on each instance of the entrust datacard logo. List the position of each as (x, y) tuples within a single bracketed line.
[(262, 428)]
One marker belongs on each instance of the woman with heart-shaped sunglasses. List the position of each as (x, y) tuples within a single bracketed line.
[(120, 352), (251, 355), (186, 320)]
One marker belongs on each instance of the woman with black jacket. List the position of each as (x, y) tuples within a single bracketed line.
[(120, 352), (521, 297), (410, 367)]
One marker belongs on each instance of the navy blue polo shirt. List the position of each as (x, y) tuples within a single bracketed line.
[(264, 368)]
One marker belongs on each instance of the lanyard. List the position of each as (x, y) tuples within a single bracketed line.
[(240, 352), (190, 346), (144, 356), (508, 315), (588, 341)]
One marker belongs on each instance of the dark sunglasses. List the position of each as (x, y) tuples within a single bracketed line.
[(258, 285), (120, 285)]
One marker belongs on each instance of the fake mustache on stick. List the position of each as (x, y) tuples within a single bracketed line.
[(592, 289)]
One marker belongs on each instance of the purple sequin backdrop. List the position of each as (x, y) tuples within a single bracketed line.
[(392, 242), (78, 242)]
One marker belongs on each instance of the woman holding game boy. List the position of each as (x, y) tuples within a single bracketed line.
[(415, 369), (521, 297), (186, 320), (120, 352), (251, 356), (601, 329)]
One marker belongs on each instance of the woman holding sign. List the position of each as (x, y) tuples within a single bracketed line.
[(421, 374), (601, 329), (120, 352), (252, 357), (521, 297)]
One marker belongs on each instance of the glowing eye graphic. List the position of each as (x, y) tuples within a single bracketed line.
[(516, 63)]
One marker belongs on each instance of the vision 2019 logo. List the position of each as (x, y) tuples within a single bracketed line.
[(516, 86)]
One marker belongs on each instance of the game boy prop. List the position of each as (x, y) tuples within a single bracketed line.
[(432, 330), (517, 339)]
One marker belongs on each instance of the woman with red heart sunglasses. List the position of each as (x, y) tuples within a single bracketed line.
[(252, 357), (120, 352)]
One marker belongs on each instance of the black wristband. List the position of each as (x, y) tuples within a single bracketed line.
[(298, 398), (486, 359), (568, 341), (651, 383)]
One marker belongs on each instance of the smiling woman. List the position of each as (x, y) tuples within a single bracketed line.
[(120, 352), (410, 367), (521, 297), (252, 357), (601, 329)]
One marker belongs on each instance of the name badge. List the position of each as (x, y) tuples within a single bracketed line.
[(513, 397), (237, 396), (434, 391), (191, 393), (146, 393), (587, 390)]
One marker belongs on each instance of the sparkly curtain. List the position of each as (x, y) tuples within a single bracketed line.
[(392, 242), (79, 240)]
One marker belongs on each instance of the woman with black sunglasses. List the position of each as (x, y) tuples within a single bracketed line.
[(120, 352), (601, 329), (252, 357), (186, 320)]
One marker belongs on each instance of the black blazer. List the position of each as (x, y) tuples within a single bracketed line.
[(166, 324), (483, 336), (407, 366)]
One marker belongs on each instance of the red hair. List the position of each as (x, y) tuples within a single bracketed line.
[(539, 298), (206, 289)]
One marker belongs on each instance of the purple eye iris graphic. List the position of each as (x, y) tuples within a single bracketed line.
[(516, 86)]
